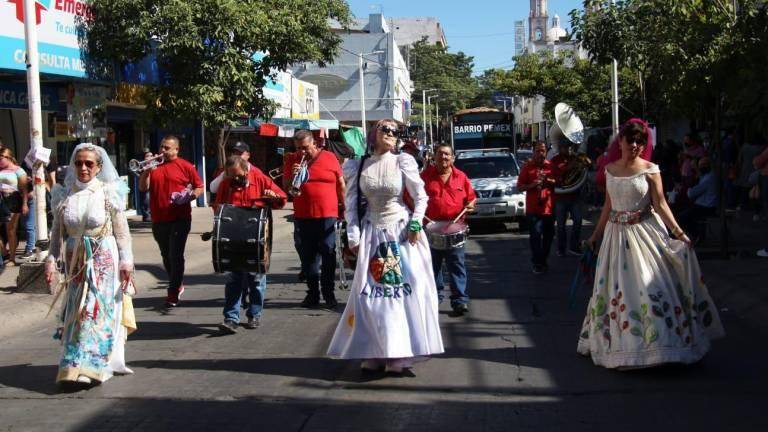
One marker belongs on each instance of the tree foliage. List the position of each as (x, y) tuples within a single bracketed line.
[(433, 67), (693, 55), (562, 77), (209, 52)]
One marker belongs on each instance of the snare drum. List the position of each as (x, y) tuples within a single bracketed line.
[(445, 235), (242, 239)]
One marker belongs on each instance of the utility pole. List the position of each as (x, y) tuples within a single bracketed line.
[(615, 93), (35, 123), (437, 117), (362, 89), (429, 112), (424, 111)]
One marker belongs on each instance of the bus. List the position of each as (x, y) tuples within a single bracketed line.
[(482, 128)]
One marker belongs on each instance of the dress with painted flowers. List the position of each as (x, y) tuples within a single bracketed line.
[(649, 305), (392, 311)]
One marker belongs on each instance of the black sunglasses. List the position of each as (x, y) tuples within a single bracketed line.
[(388, 130), (87, 163)]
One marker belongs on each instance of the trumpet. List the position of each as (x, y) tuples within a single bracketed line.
[(301, 176), (137, 167), (275, 173)]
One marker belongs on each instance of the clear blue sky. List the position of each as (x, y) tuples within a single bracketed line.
[(480, 28)]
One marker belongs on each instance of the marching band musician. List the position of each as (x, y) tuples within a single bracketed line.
[(537, 180), (172, 186), (450, 193), (244, 185), (316, 208), (240, 149), (566, 203)]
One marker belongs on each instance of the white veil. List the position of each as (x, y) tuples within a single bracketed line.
[(118, 191)]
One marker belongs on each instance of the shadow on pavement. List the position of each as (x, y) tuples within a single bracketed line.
[(152, 330), (37, 379)]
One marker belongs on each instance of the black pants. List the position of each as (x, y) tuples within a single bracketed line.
[(171, 237), (541, 230), (316, 242)]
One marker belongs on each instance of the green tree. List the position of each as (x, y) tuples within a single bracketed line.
[(215, 55), (565, 78), (432, 66)]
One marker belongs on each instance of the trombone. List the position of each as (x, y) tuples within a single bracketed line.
[(137, 167)]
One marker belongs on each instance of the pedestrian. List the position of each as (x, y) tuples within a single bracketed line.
[(91, 244), (566, 204), (537, 180), (316, 206), (703, 196), (172, 186), (28, 220), (238, 148), (761, 163), (747, 176), (13, 193), (450, 194), (391, 317), (649, 305), (244, 185)]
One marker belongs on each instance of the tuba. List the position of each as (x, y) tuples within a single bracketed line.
[(568, 127)]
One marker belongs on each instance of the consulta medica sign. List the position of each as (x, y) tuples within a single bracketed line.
[(57, 36)]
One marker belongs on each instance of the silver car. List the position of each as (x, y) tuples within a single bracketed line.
[(493, 174)]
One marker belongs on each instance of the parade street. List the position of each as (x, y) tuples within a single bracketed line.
[(510, 364)]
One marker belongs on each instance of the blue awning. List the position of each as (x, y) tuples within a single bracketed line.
[(306, 123)]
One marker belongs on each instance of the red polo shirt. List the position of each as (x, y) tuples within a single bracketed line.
[(318, 197), (559, 162), (537, 201), (446, 199), (172, 176), (252, 194)]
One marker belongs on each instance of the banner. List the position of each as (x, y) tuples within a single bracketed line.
[(304, 103)]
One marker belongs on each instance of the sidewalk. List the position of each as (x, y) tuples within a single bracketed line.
[(22, 311)]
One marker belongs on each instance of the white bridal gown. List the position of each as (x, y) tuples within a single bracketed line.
[(649, 304)]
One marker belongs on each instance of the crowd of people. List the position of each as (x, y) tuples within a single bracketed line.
[(648, 306)]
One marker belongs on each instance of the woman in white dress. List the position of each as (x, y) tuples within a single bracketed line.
[(91, 243), (649, 304), (391, 317)]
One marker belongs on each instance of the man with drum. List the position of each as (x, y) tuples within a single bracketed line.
[(566, 203), (239, 149), (172, 186), (244, 185), (537, 180), (316, 207), (450, 197)]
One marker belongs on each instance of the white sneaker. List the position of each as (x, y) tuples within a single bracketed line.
[(83, 379), (763, 253)]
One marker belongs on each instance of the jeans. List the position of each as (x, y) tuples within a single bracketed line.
[(29, 225), (171, 237), (457, 274), (562, 209), (316, 242), (542, 231), (255, 284)]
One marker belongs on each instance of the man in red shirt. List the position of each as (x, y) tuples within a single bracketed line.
[(449, 194), (566, 203), (239, 149), (537, 180), (172, 186), (244, 185), (316, 209)]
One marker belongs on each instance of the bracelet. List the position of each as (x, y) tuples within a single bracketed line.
[(414, 226)]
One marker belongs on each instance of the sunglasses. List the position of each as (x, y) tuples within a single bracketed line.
[(637, 141), (88, 163), (388, 130)]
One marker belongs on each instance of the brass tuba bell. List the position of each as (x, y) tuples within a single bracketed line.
[(568, 127)]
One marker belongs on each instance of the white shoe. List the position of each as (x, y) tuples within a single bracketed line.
[(763, 253), (83, 379)]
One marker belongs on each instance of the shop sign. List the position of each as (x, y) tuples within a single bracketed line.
[(57, 36), (304, 100), (14, 96)]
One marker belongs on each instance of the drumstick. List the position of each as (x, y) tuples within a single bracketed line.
[(460, 215), (428, 219)]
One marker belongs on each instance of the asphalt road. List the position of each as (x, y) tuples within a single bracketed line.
[(510, 365)]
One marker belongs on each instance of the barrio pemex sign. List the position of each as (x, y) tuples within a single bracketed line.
[(57, 36)]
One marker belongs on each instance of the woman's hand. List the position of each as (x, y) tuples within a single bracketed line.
[(592, 243), (683, 237), (413, 237), (24, 208), (125, 275), (49, 274), (354, 249)]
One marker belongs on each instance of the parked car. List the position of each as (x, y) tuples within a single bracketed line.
[(493, 174), (523, 156)]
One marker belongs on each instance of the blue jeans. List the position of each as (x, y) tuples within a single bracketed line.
[(562, 209), (541, 230), (457, 274), (29, 225), (315, 240), (255, 284)]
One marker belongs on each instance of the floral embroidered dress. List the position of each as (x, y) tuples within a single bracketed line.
[(91, 237), (392, 311), (649, 303)]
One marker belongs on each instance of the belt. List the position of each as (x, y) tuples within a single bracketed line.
[(629, 217)]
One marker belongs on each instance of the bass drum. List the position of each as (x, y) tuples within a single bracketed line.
[(242, 239)]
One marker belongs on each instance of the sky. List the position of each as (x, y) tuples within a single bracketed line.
[(480, 28)]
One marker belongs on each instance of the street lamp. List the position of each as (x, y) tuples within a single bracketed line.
[(362, 87), (429, 111), (424, 109)]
